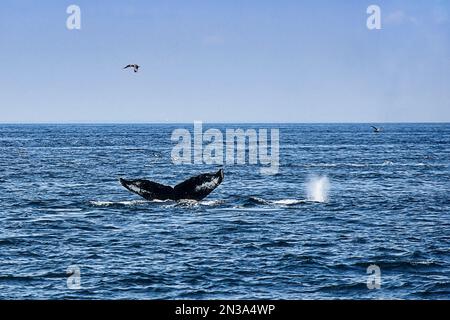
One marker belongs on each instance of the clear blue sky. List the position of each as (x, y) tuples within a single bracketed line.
[(225, 61)]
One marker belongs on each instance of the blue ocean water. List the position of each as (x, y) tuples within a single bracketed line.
[(256, 236)]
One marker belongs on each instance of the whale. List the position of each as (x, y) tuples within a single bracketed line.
[(194, 188)]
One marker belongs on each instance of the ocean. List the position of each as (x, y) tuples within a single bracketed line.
[(344, 199)]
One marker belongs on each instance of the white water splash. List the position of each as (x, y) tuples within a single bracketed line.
[(288, 202), (122, 203), (317, 188), (211, 202)]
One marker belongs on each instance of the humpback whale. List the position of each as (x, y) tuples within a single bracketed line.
[(195, 188)]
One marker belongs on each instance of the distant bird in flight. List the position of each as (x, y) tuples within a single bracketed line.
[(134, 66), (376, 130)]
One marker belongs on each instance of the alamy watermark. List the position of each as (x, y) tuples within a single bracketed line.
[(73, 21), (374, 277), (74, 278), (235, 145), (374, 20)]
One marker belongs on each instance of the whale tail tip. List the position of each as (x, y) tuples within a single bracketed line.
[(220, 174)]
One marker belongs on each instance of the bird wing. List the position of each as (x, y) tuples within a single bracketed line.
[(375, 128), (128, 66)]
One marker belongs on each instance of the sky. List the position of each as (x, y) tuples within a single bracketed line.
[(225, 61)]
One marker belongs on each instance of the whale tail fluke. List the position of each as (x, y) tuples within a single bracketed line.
[(195, 188)]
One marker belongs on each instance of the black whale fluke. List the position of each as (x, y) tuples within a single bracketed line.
[(195, 188)]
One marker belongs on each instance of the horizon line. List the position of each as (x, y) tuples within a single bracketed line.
[(215, 122)]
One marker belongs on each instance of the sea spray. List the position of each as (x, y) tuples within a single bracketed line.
[(317, 188)]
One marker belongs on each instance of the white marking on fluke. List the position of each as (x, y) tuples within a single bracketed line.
[(208, 185)]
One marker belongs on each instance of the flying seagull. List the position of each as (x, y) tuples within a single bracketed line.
[(134, 66), (375, 129)]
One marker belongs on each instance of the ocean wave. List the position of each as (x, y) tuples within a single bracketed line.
[(60, 209)]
